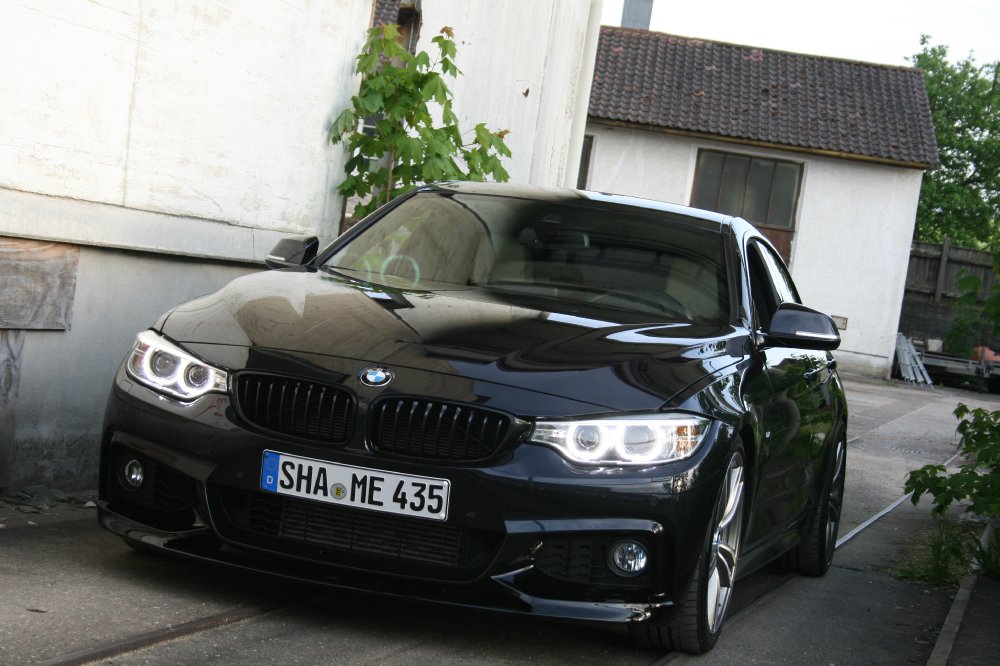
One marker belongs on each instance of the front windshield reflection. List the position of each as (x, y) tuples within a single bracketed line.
[(602, 257)]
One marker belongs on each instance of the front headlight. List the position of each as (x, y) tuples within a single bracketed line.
[(165, 367), (645, 440)]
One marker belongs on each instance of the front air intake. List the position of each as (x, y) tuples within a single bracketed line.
[(294, 407), (432, 430)]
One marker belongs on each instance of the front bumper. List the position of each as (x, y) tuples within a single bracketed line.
[(501, 592), (527, 534)]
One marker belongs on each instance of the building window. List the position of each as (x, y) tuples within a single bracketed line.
[(405, 14), (584, 175), (760, 190)]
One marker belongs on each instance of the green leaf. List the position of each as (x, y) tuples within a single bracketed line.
[(448, 67), (345, 121), (431, 88), (371, 103)]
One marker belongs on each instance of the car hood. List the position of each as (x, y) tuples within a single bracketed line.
[(594, 355)]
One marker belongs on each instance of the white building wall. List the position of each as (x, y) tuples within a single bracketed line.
[(523, 70), (853, 228), (195, 110), (852, 249)]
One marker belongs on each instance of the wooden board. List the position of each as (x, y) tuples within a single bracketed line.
[(37, 284)]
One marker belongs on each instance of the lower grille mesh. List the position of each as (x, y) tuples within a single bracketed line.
[(359, 531), (172, 491), (578, 560)]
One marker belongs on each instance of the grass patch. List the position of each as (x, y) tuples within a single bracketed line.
[(943, 554)]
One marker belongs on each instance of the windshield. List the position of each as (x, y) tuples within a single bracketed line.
[(572, 251)]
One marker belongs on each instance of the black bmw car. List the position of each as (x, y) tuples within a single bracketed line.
[(537, 401)]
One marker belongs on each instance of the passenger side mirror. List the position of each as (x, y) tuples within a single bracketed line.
[(293, 251), (795, 325)]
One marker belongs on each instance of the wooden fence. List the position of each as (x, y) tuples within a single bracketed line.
[(932, 286), (935, 269)]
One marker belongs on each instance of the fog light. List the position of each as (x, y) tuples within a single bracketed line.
[(132, 474), (628, 558)]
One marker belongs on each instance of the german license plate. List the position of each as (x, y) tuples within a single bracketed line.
[(377, 490)]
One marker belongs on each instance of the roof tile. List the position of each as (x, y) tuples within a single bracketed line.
[(743, 92)]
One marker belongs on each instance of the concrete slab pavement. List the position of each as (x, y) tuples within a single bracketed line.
[(978, 638)]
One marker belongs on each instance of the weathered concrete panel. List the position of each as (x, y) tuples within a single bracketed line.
[(66, 87), (231, 108), (43, 217), (37, 284), (11, 343), (52, 422), (216, 111)]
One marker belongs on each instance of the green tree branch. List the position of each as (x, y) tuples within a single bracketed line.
[(399, 93), (961, 199)]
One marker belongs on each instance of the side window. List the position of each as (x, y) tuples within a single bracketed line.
[(770, 283), (585, 155), (779, 276), (763, 294)]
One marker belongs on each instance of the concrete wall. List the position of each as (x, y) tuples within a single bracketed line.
[(175, 142), (853, 227), (525, 71), (64, 376), (194, 110), (173, 131)]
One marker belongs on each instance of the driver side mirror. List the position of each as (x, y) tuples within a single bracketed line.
[(293, 251), (795, 325)]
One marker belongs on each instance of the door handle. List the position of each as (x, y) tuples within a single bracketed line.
[(810, 374), (831, 364)]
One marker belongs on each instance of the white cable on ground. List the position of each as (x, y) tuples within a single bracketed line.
[(868, 523)]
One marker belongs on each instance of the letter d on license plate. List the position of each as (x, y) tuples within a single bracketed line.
[(360, 487)]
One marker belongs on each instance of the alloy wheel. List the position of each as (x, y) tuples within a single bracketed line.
[(835, 499), (725, 545)]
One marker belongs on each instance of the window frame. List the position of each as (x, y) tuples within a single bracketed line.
[(586, 157), (800, 167)]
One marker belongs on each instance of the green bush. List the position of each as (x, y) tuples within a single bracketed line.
[(978, 477), (942, 555), (977, 481)]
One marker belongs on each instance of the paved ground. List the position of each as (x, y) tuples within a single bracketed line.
[(978, 640), (69, 589)]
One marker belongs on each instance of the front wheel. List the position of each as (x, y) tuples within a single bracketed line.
[(699, 623)]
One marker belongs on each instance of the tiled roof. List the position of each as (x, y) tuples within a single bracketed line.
[(386, 11), (744, 93)]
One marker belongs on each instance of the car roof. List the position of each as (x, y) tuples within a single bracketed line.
[(568, 195)]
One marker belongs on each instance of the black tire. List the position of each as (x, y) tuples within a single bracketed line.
[(814, 555), (696, 626)]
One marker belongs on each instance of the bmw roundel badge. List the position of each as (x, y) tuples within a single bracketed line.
[(376, 376)]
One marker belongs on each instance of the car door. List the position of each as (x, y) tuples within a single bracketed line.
[(795, 404)]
